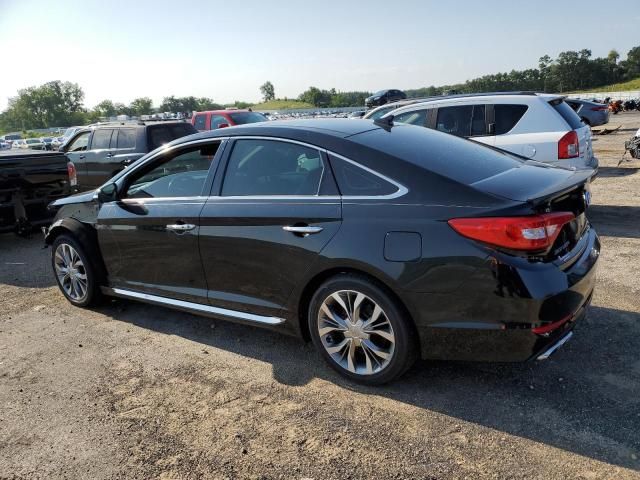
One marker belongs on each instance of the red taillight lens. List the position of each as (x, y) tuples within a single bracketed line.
[(599, 109), (568, 146), (537, 232), (73, 175)]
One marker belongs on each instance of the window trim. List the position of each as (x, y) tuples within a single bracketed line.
[(402, 190), (223, 151)]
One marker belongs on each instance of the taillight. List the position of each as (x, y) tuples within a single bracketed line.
[(536, 232), (601, 108), (73, 175), (568, 146)]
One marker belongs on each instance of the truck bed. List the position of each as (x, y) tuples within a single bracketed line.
[(29, 181)]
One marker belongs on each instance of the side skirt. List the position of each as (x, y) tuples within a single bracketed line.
[(196, 308)]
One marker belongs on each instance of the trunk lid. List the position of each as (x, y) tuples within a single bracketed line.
[(547, 189)]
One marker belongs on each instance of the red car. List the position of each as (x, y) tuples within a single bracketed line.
[(214, 119)]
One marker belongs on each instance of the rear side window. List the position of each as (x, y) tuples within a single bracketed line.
[(158, 135), (101, 139), (126, 138), (355, 181), (455, 120), (417, 117), (199, 122), (566, 112), (271, 167), (507, 116)]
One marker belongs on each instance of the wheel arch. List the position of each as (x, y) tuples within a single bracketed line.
[(85, 234), (320, 277)]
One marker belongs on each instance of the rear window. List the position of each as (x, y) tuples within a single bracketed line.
[(158, 135), (507, 116), (566, 112), (462, 160), (240, 118)]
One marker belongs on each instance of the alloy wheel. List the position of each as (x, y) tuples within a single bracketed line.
[(71, 272), (356, 332)]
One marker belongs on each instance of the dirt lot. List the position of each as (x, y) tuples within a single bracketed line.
[(133, 391)]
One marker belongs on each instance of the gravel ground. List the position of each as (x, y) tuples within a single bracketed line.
[(134, 391)]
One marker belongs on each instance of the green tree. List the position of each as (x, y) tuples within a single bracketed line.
[(105, 109), (141, 106), (268, 91), (52, 104)]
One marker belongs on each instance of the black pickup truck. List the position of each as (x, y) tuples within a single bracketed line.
[(28, 183), (102, 150)]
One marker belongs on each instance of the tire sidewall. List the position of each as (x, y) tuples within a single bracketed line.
[(404, 351), (92, 286)]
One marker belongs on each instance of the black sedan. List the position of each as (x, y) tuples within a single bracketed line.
[(384, 96), (380, 243)]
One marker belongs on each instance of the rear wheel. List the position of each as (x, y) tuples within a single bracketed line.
[(74, 271), (360, 330)]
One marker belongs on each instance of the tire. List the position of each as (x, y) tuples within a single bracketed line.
[(82, 286), (368, 350)]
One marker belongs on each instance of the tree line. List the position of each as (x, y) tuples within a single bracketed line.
[(60, 104)]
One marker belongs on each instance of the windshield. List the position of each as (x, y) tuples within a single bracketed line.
[(240, 118), (379, 93)]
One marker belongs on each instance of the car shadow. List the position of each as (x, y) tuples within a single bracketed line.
[(585, 400), (615, 220), (24, 262), (608, 172)]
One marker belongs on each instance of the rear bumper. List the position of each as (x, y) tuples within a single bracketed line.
[(491, 317)]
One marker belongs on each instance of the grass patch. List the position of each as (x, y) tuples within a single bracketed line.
[(281, 105), (616, 87)]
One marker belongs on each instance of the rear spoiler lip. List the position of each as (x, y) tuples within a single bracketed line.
[(579, 177)]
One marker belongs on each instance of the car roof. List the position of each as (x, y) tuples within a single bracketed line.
[(224, 110)]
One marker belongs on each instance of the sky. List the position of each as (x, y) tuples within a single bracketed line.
[(225, 50)]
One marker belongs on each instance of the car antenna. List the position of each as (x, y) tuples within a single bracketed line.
[(385, 122)]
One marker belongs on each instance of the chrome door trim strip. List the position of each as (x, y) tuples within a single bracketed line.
[(195, 307)]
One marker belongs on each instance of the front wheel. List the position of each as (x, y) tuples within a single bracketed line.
[(360, 330), (75, 274)]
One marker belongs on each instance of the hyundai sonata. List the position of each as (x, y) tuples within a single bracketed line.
[(379, 243)]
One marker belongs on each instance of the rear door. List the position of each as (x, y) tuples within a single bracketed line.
[(503, 120), (149, 237), (271, 213)]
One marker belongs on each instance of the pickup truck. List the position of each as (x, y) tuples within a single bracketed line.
[(102, 150), (29, 181)]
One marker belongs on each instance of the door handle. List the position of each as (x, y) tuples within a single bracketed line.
[(81, 157), (180, 227), (302, 230), (109, 155)]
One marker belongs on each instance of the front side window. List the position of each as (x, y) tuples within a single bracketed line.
[(126, 138), (272, 167), (101, 139), (507, 116), (80, 143), (455, 120), (417, 117), (180, 174), (217, 120)]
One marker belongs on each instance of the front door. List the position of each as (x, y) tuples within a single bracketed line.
[(149, 237), (266, 224)]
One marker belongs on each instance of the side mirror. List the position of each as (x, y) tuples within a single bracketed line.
[(108, 193), (223, 125)]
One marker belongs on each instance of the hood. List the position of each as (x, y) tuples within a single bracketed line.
[(83, 197), (533, 182)]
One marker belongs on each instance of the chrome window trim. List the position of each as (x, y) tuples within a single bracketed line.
[(197, 307), (402, 190)]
